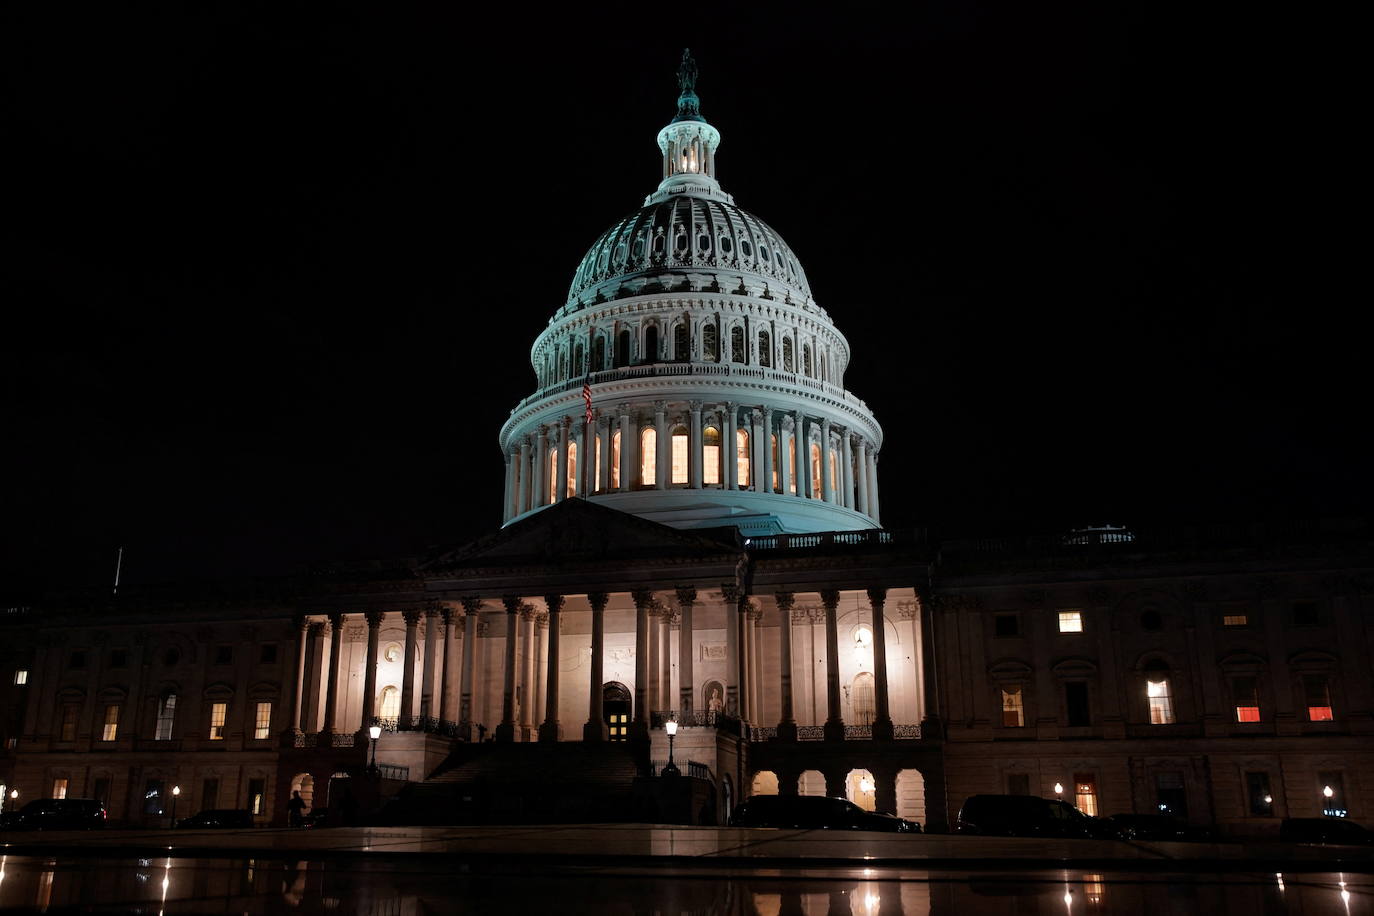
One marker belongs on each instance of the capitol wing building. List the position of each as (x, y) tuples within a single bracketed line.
[(691, 542)]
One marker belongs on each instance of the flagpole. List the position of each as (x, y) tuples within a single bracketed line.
[(119, 562)]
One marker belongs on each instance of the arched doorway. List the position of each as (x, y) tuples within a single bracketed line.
[(304, 783), (861, 789), (616, 708), (765, 783)]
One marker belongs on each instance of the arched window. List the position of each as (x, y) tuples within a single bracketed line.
[(792, 469), (552, 476), (680, 455), (615, 460), (598, 353), (572, 468), (787, 354), (622, 349), (806, 360), (777, 468), (742, 456), (862, 696), (710, 343), (737, 345), (651, 344), (834, 472), (765, 349), (682, 345), (648, 460), (577, 361), (390, 705), (1159, 693), (710, 463), (815, 471)]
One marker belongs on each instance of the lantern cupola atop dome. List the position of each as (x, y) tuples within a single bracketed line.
[(688, 144)]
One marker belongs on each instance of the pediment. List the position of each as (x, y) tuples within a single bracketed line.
[(579, 532)]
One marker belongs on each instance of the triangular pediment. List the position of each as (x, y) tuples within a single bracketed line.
[(576, 532)]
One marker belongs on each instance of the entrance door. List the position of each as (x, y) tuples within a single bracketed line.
[(616, 708)]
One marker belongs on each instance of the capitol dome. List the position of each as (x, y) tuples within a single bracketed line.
[(690, 377)]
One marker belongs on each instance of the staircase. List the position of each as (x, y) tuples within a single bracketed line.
[(552, 783)]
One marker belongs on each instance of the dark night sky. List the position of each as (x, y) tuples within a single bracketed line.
[(271, 278)]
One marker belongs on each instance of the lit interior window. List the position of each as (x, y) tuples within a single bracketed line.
[(572, 468), (791, 470), (552, 476), (1318, 693), (596, 465), (834, 472), (1070, 622), (710, 464), (1246, 690), (262, 721), (815, 470), (111, 728), (615, 460), (218, 713), (648, 459), (680, 458), (1085, 796), (1235, 620), (21, 677), (390, 707), (1013, 712), (742, 456), (1161, 700), (59, 787)]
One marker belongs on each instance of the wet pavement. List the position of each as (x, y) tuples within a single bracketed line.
[(632, 869)]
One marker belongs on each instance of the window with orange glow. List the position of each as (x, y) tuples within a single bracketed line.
[(552, 476), (615, 460), (777, 468), (742, 456), (111, 729), (1085, 793), (680, 456), (572, 468), (1318, 692), (1013, 711), (1246, 692), (815, 470), (218, 713), (648, 457), (792, 470), (834, 472), (710, 462), (1160, 697)]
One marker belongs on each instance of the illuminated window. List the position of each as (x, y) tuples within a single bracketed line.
[(773, 437), (262, 720), (834, 472), (218, 713), (1235, 620), (619, 726), (70, 713), (152, 797), (1070, 621), (648, 457), (1246, 691), (166, 714), (1159, 695), (710, 463), (815, 470), (864, 705), (21, 677), (1013, 712), (792, 470), (742, 456), (111, 728), (1085, 793), (615, 459), (680, 457), (572, 468), (390, 707), (552, 476), (1318, 692), (596, 465), (257, 796), (765, 349), (59, 787)]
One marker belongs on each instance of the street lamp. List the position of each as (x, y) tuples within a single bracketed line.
[(671, 728), (1328, 792), (1059, 790), (374, 733), (176, 794)]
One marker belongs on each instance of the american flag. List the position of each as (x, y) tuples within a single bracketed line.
[(587, 395)]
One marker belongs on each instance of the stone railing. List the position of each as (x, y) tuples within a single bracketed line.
[(866, 538), (427, 724), (851, 732)]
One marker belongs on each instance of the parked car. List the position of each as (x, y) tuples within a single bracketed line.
[(813, 812), (1157, 827), (1333, 830), (57, 814), (216, 818), (1028, 815)]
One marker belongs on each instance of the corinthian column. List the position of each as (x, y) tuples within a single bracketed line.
[(766, 447), (686, 598), (882, 721), (298, 709), (730, 592), (861, 475), (450, 663), (799, 444), (550, 730), (642, 599), (331, 695), (506, 730), (431, 662), (412, 619), (698, 449), (663, 457), (374, 628), (472, 609), (847, 471), (827, 492), (539, 480), (787, 723), (834, 720), (595, 728), (729, 441), (561, 484)]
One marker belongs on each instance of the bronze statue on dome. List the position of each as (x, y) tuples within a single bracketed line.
[(687, 72)]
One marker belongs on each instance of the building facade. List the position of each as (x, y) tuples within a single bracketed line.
[(691, 532)]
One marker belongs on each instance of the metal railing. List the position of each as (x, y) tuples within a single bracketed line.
[(387, 771), (851, 732), (428, 724), (697, 718), (691, 767)]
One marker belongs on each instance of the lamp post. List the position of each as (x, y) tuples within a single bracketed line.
[(1327, 792), (374, 733), (176, 794), (14, 799), (1059, 791), (671, 768)]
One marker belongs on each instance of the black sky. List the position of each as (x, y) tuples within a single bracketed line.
[(271, 274)]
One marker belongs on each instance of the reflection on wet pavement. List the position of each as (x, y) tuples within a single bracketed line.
[(392, 888)]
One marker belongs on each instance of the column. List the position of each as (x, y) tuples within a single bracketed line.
[(522, 498), (595, 728), (834, 718), (642, 599), (827, 493), (729, 440), (696, 471), (627, 447), (732, 647), (603, 471), (785, 482), (472, 609), (873, 487), (882, 720), (787, 723), (561, 484), (314, 678), (885, 789), (540, 661), (686, 649), (298, 710), (766, 448), (427, 704), (331, 693), (861, 474), (506, 493), (450, 664), (539, 480), (746, 660), (800, 443), (412, 619), (756, 442), (506, 730), (665, 660), (532, 475), (846, 471), (374, 630), (756, 687), (528, 688), (930, 684), (550, 730), (664, 454)]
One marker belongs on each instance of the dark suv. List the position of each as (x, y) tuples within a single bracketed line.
[(57, 814), (217, 818), (1332, 830), (810, 812), (1028, 815)]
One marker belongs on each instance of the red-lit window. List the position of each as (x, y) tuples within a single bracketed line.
[(1246, 692), (1247, 714), (1318, 693)]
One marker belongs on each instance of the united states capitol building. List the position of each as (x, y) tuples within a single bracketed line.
[(692, 533)]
